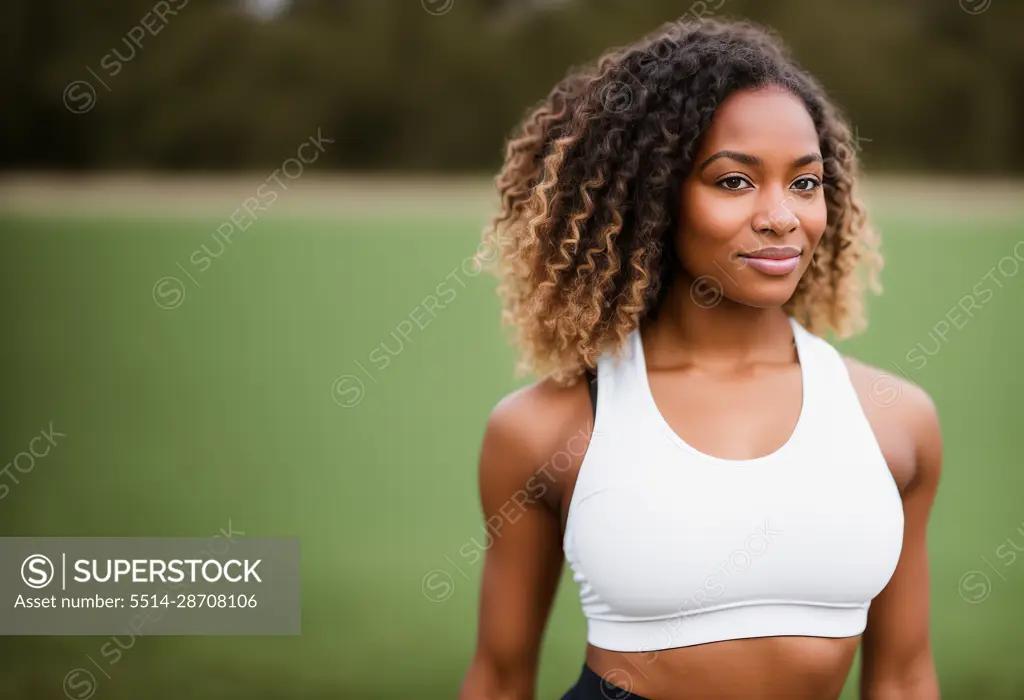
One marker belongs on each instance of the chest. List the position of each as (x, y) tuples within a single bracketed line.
[(738, 415), (813, 523), (746, 416)]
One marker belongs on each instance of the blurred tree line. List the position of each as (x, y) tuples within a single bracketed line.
[(438, 84)]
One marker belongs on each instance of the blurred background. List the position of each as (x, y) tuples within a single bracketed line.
[(235, 243)]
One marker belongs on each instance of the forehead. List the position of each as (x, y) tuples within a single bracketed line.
[(761, 121)]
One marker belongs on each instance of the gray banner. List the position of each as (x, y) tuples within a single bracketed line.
[(150, 586)]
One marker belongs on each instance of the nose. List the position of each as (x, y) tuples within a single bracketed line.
[(779, 218)]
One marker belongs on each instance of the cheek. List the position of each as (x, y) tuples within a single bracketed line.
[(711, 227), (814, 221)]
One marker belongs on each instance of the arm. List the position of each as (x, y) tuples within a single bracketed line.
[(897, 661), (523, 564)]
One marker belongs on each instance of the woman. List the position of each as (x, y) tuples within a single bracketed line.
[(680, 223)]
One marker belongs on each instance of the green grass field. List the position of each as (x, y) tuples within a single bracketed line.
[(227, 408)]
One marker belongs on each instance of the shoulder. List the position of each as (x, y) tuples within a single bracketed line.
[(895, 401), (529, 425), (911, 405)]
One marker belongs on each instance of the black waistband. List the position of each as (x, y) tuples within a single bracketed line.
[(613, 685)]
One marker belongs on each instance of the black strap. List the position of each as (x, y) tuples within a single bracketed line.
[(592, 384)]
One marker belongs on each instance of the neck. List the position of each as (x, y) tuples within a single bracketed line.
[(694, 325)]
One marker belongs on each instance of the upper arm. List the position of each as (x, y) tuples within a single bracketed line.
[(897, 660), (523, 561)]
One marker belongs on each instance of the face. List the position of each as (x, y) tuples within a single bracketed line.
[(753, 209)]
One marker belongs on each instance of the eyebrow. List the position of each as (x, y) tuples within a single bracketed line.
[(754, 160)]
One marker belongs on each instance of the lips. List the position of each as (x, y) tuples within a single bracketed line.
[(773, 260)]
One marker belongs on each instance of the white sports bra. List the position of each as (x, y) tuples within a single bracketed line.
[(672, 547)]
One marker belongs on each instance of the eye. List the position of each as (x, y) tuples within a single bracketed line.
[(807, 184), (733, 182)]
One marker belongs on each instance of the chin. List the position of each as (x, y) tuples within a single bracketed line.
[(766, 296)]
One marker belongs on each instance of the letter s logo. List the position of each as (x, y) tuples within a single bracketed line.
[(37, 571)]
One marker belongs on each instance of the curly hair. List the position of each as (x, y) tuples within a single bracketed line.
[(583, 242)]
